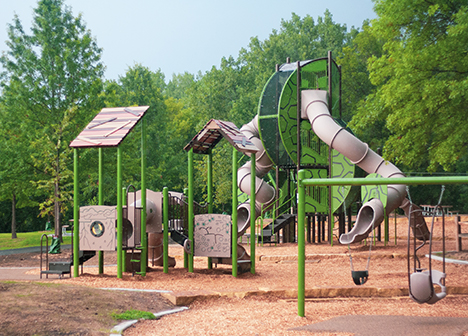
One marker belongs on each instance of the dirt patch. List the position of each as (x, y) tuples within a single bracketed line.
[(56, 309)]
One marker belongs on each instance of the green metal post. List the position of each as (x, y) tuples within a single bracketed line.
[(166, 229), (386, 232), (100, 202), (119, 213), (124, 252), (252, 213), (234, 213), (190, 209), (301, 246), (144, 240), (186, 192), (76, 215), (210, 193)]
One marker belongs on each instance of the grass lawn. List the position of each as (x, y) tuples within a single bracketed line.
[(26, 239)]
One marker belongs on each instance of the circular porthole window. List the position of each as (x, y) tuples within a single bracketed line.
[(97, 229)]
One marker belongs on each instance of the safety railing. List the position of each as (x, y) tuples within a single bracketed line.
[(303, 182)]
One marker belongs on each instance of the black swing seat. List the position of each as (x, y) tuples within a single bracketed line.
[(422, 288), (360, 277)]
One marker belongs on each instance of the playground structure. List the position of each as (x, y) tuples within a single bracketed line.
[(298, 130)]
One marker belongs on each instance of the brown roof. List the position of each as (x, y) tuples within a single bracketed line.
[(109, 127), (213, 132)]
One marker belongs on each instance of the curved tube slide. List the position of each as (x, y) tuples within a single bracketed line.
[(264, 193), (371, 214)]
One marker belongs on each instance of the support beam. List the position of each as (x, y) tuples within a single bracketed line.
[(100, 202), (144, 240), (119, 213), (234, 213), (191, 215), (252, 212), (76, 215)]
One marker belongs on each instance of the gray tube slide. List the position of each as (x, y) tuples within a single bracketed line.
[(371, 214), (264, 193)]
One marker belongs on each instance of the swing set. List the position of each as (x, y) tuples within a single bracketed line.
[(421, 281)]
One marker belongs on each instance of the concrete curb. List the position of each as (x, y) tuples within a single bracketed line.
[(449, 260), (119, 328), (188, 297)]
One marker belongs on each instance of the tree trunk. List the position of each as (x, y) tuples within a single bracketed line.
[(58, 229), (13, 217)]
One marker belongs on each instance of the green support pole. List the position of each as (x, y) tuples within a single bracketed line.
[(100, 202), (119, 213), (186, 192), (166, 229), (190, 209), (252, 213), (386, 233), (234, 213), (301, 246), (210, 193), (124, 252), (144, 240), (76, 216)]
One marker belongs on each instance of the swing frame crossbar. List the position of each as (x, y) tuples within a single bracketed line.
[(303, 182)]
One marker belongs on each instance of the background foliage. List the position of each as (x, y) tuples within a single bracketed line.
[(404, 79)]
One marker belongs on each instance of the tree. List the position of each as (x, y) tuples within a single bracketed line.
[(50, 85), (422, 80)]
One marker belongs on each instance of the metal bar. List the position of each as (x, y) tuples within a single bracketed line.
[(190, 208), (166, 229), (100, 202), (387, 180), (144, 240), (210, 192), (119, 213), (234, 213), (252, 213), (124, 251), (301, 246), (331, 219), (298, 116), (76, 216)]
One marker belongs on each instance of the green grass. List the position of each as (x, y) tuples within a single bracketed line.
[(133, 315), (26, 239)]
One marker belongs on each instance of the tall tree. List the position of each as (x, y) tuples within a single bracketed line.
[(51, 81), (422, 80)]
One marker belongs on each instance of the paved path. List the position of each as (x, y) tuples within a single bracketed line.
[(391, 325)]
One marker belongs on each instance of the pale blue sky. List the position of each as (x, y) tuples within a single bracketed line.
[(183, 35)]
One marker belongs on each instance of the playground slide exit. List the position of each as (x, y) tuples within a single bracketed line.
[(315, 107)]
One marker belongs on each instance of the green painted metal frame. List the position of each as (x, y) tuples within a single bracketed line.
[(234, 213), (252, 212), (100, 202), (302, 183), (210, 191), (119, 213), (166, 230), (191, 215), (76, 215), (144, 240)]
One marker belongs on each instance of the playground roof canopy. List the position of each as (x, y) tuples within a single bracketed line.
[(213, 132), (109, 127)]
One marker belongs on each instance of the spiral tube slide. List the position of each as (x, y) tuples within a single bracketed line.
[(315, 107), (264, 193)]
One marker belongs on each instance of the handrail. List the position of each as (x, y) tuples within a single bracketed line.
[(303, 182)]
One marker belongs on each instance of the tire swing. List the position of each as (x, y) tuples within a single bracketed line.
[(421, 281), (368, 192)]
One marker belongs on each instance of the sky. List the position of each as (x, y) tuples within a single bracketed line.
[(180, 36)]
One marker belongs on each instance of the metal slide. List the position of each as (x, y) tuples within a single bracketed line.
[(315, 108), (264, 193)]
